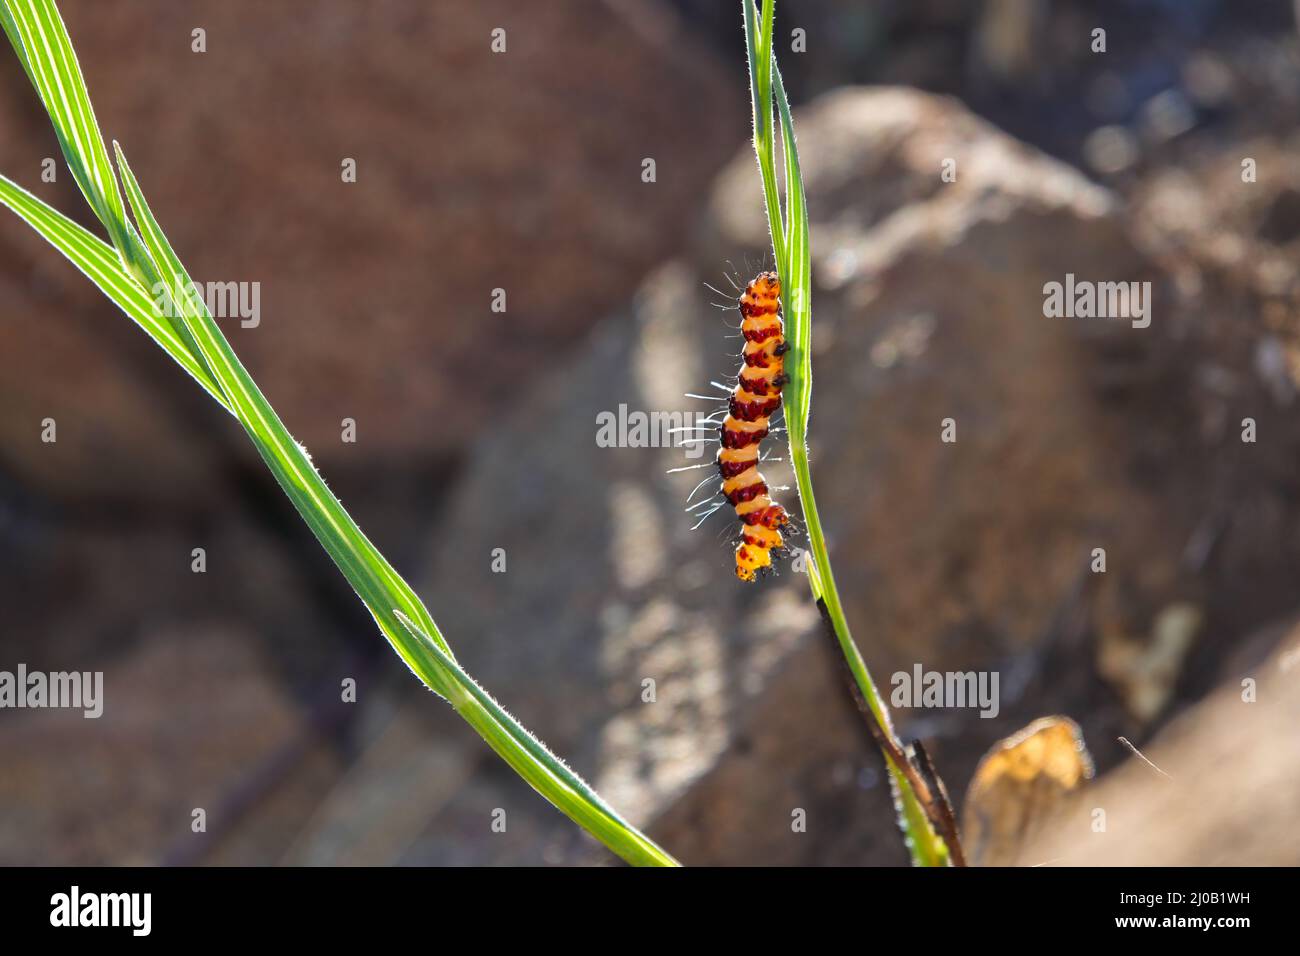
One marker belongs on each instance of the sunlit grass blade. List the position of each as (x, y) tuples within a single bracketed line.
[(129, 271), (99, 262), (52, 66), (421, 645), (41, 40), (759, 45), (797, 397), (547, 774), (366, 569), (11, 31)]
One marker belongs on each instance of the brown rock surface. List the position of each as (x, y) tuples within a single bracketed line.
[(184, 717)]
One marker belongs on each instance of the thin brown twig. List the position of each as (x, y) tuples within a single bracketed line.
[(943, 806), (937, 809)]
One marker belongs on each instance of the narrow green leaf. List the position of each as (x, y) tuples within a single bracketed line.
[(755, 57), (759, 45), (796, 274), (368, 571), (11, 31), (371, 575), (421, 645), (560, 784), (37, 33), (143, 275), (52, 66)]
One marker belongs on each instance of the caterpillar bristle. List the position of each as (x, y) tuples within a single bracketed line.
[(734, 278)]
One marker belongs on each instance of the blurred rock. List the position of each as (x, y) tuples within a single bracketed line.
[(212, 686), (800, 745), (185, 718), (94, 585), (1224, 795), (1145, 669), (475, 171), (410, 764)]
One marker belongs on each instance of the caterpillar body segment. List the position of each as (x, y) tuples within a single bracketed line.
[(756, 396)]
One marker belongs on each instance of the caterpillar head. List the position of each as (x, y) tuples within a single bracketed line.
[(765, 284)]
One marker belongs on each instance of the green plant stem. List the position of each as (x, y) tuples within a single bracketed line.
[(925, 845), (822, 581), (791, 246)]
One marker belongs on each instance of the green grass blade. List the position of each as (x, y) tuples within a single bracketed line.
[(11, 31), (759, 45), (572, 794), (796, 274), (52, 66), (38, 35), (145, 258), (100, 263), (408, 626), (368, 571)]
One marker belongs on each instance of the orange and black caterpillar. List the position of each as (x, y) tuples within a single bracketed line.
[(756, 396)]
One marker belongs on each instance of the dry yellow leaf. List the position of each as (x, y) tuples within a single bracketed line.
[(1020, 784)]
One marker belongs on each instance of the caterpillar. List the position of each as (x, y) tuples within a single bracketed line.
[(756, 396)]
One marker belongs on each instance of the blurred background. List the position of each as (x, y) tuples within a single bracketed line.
[(475, 429)]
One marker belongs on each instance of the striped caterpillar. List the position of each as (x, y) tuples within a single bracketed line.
[(756, 396)]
